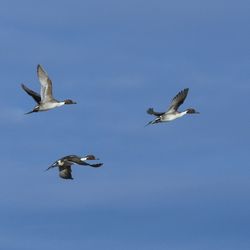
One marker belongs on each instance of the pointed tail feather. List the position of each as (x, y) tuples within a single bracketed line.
[(36, 109), (32, 111), (52, 166), (157, 120), (151, 122)]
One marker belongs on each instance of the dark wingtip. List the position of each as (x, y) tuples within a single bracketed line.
[(97, 165), (23, 87), (150, 111), (39, 68)]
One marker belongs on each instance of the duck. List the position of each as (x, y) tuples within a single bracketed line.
[(172, 113), (45, 100), (64, 164)]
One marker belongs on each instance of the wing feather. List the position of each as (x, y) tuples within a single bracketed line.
[(46, 84), (151, 111), (32, 93), (178, 100), (65, 172)]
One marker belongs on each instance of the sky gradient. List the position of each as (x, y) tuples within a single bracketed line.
[(183, 185)]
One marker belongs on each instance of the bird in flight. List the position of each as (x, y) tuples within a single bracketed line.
[(64, 164), (45, 100), (172, 113)]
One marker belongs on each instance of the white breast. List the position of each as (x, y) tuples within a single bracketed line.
[(172, 116)]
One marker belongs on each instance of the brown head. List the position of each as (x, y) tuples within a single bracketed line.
[(91, 157), (192, 111), (68, 101)]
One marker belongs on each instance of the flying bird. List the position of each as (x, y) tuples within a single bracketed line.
[(64, 164), (172, 113), (45, 101)]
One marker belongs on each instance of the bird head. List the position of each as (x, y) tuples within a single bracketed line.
[(68, 101), (192, 111), (91, 157)]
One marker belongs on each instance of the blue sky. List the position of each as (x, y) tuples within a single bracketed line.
[(179, 186)]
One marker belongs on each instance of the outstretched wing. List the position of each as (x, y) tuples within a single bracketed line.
[(32, 93), (46, 85), (151, 111), (97, 165), (74, 159), (65, 172), (178, 100)]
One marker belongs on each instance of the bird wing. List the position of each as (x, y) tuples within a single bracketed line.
[(151, 111), (32, 93), (74, 159), (65, 171), (46, 85), (97, 165), (178, 100)]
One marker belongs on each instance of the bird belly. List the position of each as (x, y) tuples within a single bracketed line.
[(169, 117), (50, 105), (172, 116)]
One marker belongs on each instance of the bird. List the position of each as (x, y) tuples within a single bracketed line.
[(45, 100), (172, 113), (64, 164)]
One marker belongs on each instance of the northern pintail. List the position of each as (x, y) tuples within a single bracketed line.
[(45, 101), (65, 163), (172, 113)]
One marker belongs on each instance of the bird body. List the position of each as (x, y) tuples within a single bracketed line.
[(50, 105), (167, 117), (172, 113), (45, 100)]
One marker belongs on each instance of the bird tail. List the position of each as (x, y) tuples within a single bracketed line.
[(52, 166), (32, 111), (156, 120), (36, 109)]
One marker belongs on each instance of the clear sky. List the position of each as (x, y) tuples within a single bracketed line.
[(178, 186)]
